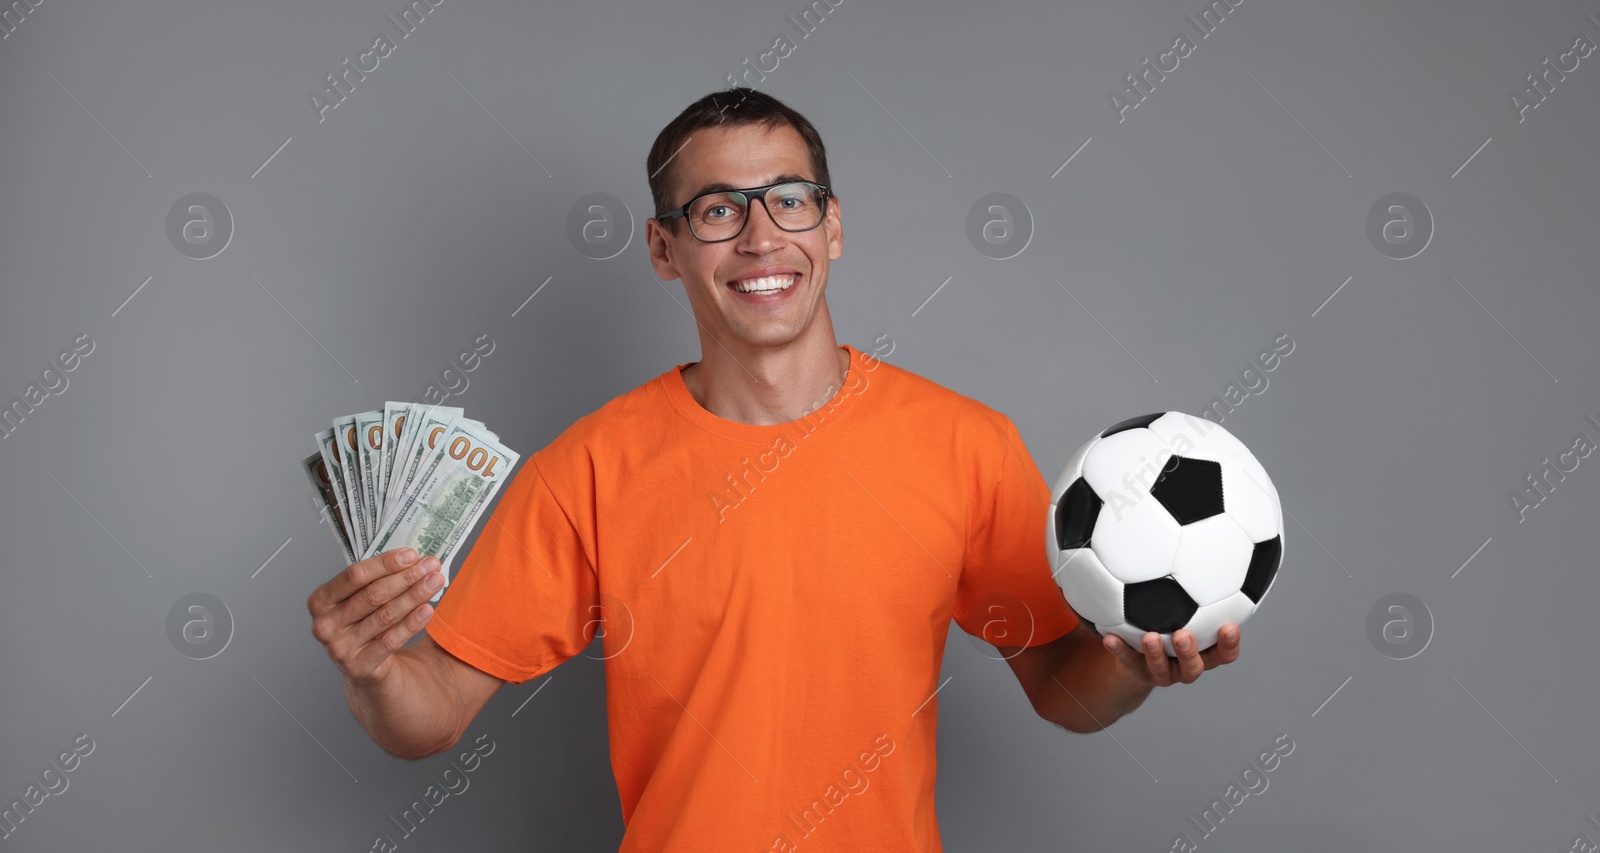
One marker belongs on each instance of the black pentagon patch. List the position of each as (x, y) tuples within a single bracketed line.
[(1159, 605), (1132, 423), (1263, 567), (1075, 515), (1190, 489)]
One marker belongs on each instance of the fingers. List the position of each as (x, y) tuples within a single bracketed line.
[(1227, 648), (1189, 663), (1149, 662), (399, 595), (368, 658), (372, 608), (375, 596), (1131, 661), (1155, 658), (357, 576), (1161, 670)]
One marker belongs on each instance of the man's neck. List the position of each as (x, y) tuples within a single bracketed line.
[(771, 386)]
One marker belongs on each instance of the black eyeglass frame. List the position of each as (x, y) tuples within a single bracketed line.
[(756, 193)]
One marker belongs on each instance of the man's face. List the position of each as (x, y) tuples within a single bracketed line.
[(747, 156)]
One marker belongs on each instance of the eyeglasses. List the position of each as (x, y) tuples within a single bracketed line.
[(721, 214)]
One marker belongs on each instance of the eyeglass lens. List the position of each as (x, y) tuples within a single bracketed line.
[(794, 207)]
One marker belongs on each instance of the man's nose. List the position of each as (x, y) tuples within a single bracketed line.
[(760, 228)]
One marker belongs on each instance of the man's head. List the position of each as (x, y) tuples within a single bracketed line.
[(739, 139)]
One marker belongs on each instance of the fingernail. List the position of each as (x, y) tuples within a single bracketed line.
[(1184, 644), (407, 556), (434, 581)]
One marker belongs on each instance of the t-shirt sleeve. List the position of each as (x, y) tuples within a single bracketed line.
[(1007, 595), (518, 605)]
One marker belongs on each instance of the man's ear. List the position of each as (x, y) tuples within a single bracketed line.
[(835, 219), (658, 238)]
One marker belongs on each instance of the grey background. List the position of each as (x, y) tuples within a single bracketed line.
[(1195, 232)]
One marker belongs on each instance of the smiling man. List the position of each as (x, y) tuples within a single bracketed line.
[(775, 538)]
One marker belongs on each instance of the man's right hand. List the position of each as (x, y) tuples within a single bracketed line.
[(371, 609), (414, 700)]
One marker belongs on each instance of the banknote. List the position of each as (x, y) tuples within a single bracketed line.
[(328, 449), (420, 415), (454, 483), (429, 429), (407, 475), (344, 431), (428, 425), (394, 424), (369, 439), (317, 470)]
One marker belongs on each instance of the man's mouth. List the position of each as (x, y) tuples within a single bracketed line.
[(765, 284)]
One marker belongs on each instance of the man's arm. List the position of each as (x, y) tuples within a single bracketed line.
[(413, 701), (425, 705), (1084, 683)]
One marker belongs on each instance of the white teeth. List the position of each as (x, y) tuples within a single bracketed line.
[(766, 284)]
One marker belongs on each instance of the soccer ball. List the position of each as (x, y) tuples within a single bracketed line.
[(1162, 522)]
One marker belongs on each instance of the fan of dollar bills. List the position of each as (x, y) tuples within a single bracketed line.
[(411, 475)]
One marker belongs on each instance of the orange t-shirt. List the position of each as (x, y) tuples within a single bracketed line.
[(776, 600)]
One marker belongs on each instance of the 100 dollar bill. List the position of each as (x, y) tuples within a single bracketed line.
[(423, 429), (328, 449), (344, 437), (369, 442), (455, 482), (317, 469), (395, 416)]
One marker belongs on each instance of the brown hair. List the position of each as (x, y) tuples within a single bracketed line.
[(735, 106)]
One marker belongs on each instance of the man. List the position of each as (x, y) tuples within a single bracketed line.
[(776, 538)]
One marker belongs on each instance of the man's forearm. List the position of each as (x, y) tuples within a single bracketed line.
[(1085, 689), (408, 713)]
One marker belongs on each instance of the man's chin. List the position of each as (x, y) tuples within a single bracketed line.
[(768, 338)]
